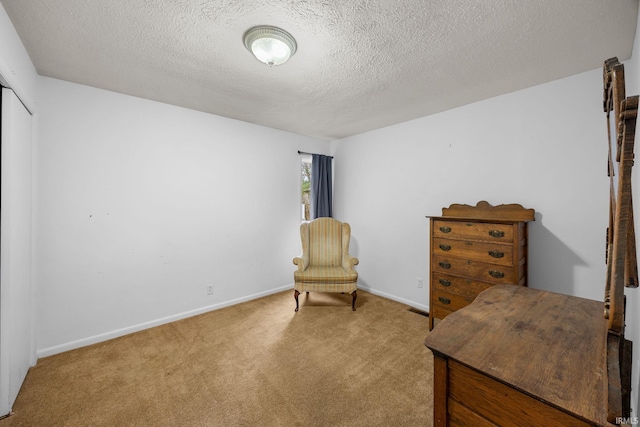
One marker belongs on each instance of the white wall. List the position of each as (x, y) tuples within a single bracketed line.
[(141, 205), (544, 148)]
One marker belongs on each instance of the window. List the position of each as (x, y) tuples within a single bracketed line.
[(305, 174)]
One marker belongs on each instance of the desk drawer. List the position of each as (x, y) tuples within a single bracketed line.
[(500, 403)]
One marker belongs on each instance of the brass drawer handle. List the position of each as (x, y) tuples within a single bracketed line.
[(444, 282), (444, 264), (496, 274), (496, 254), (445, 247), (444, 300), (445, 229), (496, 233)]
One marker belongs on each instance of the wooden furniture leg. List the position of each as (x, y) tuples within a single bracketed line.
[(353, 304), (295, 295), (440, 384)]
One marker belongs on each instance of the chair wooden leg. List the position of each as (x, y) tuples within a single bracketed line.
[(295, 295), (353, 304)]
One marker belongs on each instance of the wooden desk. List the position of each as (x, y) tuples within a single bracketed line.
[(518, 356)]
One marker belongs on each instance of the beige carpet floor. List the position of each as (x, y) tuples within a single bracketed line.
[(253, 364)]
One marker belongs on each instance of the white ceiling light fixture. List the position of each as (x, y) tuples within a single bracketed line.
[(270, 45)]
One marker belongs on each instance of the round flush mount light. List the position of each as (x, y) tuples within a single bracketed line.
[(270, 45)]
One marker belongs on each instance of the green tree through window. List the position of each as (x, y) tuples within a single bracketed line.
[(305, 169)]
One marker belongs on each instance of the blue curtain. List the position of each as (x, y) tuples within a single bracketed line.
[(321, 191)]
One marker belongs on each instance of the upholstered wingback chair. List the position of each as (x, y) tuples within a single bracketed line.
[(325, 264)]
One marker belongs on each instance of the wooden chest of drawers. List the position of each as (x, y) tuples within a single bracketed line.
[(472, 249)]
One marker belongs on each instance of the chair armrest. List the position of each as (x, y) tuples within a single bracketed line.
[(302, 262), (348, 262)]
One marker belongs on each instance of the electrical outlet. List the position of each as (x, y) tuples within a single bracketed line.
[(420, 282), (209, 289)]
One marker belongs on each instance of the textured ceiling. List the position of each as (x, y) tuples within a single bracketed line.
[(360, 64)]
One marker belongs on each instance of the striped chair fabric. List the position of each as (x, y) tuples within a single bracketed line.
[(325, 264)]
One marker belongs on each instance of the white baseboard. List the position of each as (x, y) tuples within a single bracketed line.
[(395, 298), (50, 351), (146, 325)]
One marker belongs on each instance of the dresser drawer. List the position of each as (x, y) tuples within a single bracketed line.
[(481, 271), (438, 311), (469, 230), (458, 285), (449, 301), (493, 253)]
